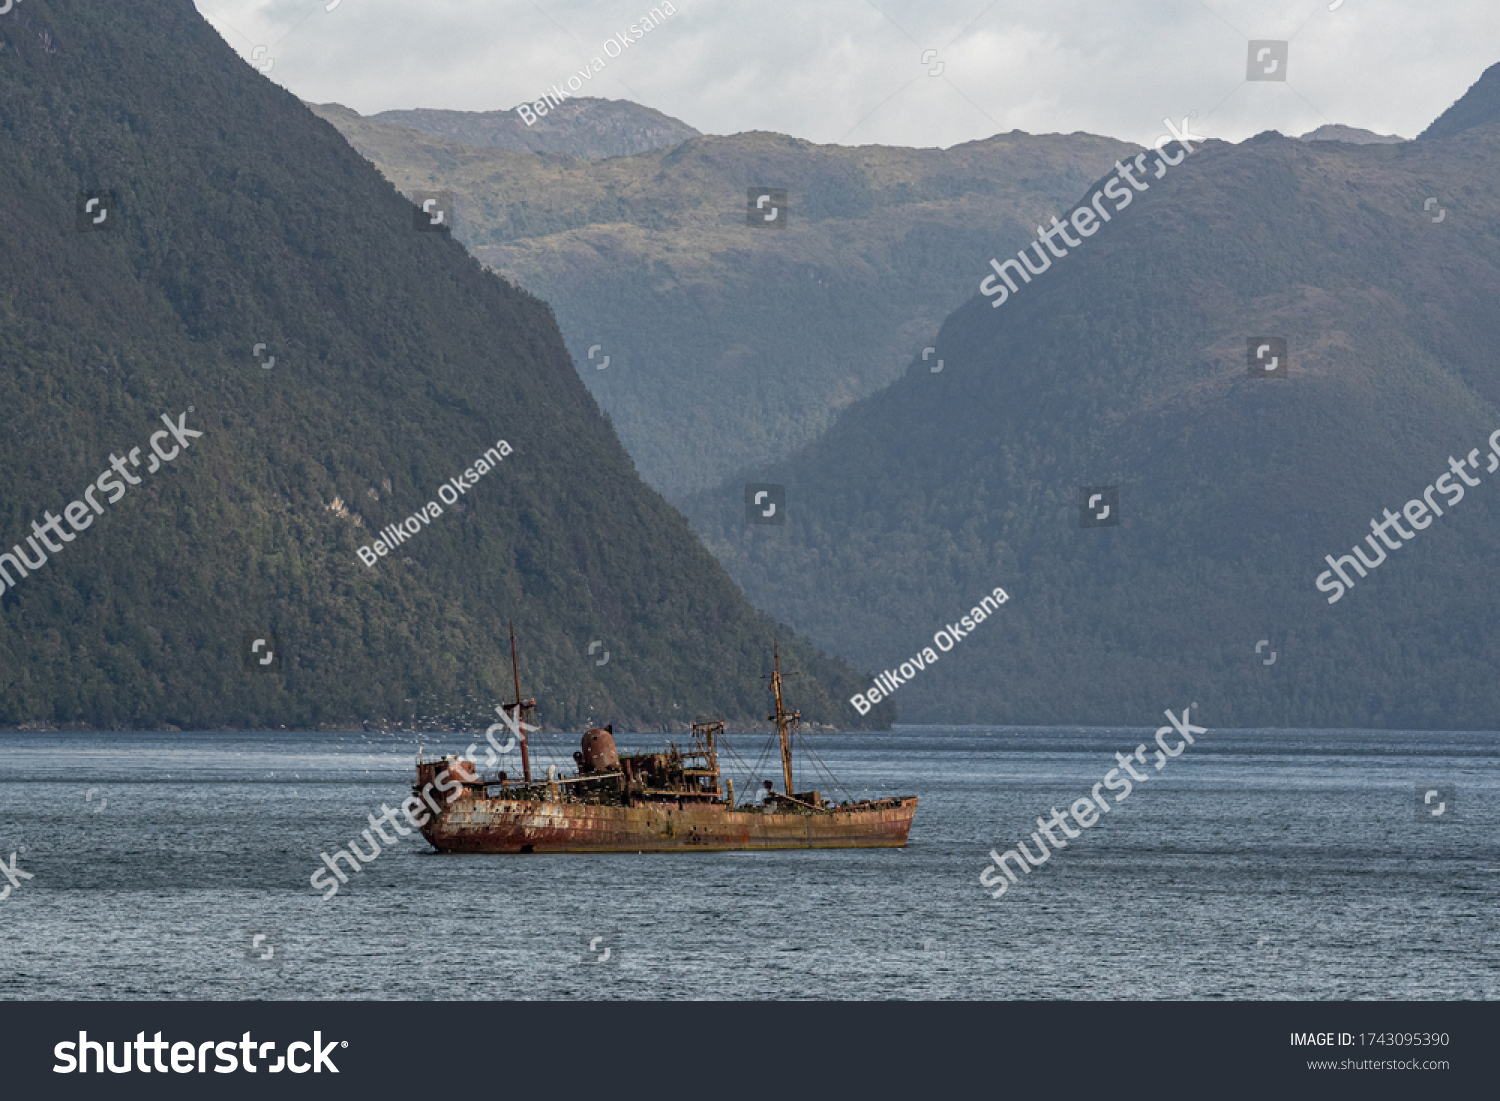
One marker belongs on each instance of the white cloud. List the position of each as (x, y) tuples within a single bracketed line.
[(851, 70)]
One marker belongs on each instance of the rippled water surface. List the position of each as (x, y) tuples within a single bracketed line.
[(1259, 864)]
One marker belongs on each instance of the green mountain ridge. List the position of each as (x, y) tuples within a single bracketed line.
[(1127, 363), (246, 231), (582, 126), (730, 345)]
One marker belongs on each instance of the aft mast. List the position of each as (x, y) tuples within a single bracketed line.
[(783, 722), (520, 708)]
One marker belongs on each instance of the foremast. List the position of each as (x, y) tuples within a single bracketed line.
[(783, 720)]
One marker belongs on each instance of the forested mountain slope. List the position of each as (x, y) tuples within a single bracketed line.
[(1128, 363), (179, 237)]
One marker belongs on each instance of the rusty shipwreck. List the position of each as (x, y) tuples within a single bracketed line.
[(673, 801)]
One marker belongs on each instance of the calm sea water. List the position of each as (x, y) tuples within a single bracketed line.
[(1259, 864)]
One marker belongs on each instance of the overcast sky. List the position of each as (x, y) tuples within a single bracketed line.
[(852, 71)]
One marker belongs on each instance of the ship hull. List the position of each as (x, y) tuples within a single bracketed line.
[(510, 826)]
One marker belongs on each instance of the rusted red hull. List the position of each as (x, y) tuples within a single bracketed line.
[(483, 825)]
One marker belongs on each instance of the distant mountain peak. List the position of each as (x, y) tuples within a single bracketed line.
[(585, 126), (1352, 135), (1479, 105)]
